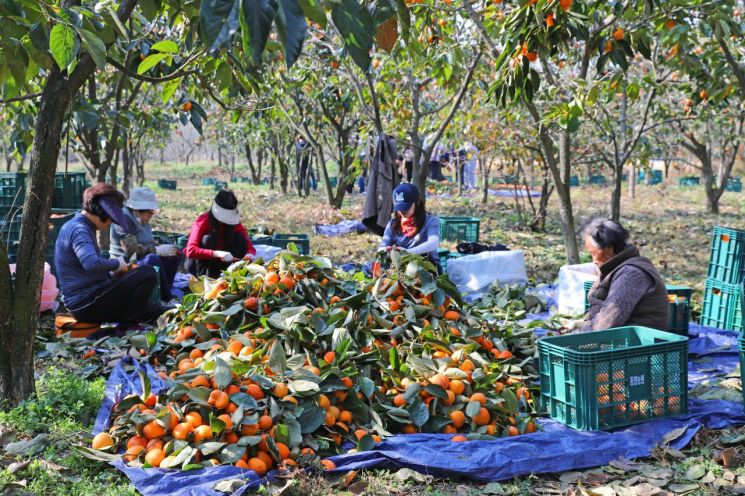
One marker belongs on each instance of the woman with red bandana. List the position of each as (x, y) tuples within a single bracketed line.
[(412, 229)]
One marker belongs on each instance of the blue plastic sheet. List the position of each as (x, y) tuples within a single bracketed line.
[(554, 448), (340, 229)]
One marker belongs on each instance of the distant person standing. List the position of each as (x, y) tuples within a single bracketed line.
[(302, 148), (435, 167), (409, 163), (469, 169)]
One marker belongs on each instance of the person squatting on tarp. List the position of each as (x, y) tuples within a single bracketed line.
[(217, 238), (137, 240), (96, 289), (629, 290), (412, 229)]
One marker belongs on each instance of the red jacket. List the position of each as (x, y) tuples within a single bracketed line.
[(200, 228)]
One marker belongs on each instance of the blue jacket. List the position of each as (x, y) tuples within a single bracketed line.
[(425, 242), (81, 271)]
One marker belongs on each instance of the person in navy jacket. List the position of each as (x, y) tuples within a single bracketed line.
[(412, 229), (97, 289)]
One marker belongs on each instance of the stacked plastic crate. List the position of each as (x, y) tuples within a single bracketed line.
[(722, 308)]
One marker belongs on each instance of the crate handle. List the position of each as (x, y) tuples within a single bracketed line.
[(725, 238)]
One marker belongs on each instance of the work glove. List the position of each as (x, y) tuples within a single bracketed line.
[(122, 267), (225, 256), (248, 257), (166, 250)]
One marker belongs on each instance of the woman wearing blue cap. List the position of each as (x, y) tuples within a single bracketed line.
[(412, 229), (96, 289)]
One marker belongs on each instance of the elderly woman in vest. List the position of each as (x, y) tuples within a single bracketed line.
[(136, 240), (629, 290)]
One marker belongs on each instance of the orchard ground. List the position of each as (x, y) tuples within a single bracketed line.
[(669, 224)]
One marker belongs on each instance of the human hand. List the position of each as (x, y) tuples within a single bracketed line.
[(166, 250), (225, 256), (248, 257)]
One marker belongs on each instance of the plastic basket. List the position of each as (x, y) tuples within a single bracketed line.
[(597, 180), (727, 255), (68, 190), (442, 254), (166, 184), (734, 184), (613, 378), (722, 306), (10, 232), (301, 241), (333, 181), (219, 185), (12, 190), (460, 229), (741, 349), (208, 181), (688, 181), (167, 238), (587, 285), (574, 181), (678, 316)]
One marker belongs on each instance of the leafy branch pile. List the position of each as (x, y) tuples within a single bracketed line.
[(281, 364)]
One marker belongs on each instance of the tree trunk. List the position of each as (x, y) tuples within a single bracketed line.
[(19, 309), (273, 173), (126, 165), (254, 177)]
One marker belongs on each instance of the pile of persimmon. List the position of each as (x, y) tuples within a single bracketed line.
[(279, 365)]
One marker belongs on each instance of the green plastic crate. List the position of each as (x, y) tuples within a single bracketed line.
[(722, 306), (607, 379), (68, 190), (167, 238), (166, 184), (333, 181), (220, 185), (597, 180), (733, 184), (688, 181), (587, 285), (446, 255), (741, 349), (460, 229), (208, 181), (574, 181), (302, 241), (727, 255), (10, 232)]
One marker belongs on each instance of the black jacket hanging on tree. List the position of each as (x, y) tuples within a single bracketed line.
[(383, 179)]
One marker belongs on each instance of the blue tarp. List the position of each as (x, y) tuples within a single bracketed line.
[(342, 228), (554, 448)]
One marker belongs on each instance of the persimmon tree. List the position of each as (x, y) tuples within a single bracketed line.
[(59, 48)]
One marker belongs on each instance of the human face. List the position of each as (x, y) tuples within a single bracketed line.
[(599, 255), (145, 215), (409, 212)]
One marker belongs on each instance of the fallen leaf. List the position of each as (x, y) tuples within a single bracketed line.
[(708, 478), (673, 435), (570, 477), (29, 447), (18, 466), (683, 488), (624, 464), (492, 488), (229, 485), (695, 472), (731, 440), (406, 474)]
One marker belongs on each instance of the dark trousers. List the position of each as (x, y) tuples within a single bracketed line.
[(167, 268), (304, 164), (435, 170), (409, 170), (213, 267), (125, 301)]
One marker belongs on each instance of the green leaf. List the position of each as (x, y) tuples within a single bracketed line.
[(151, 61), (95, 47), (223, 374), (473, 408), (510, 401), (366, 443), (419, 413), (218, 22), (63, 44), (165, 46), (291, 27), (199, 395), (313, 10), (277, 358), (145, 380), (356, 27), (216, 425), (311, 419), (302, 386), (150, 8), (169, 89), (256, 24)]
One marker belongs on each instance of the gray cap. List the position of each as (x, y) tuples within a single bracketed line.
[(142, 199)]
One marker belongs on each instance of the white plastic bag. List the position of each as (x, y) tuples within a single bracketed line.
[(267, 252), (571, 286), (474, 273)]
